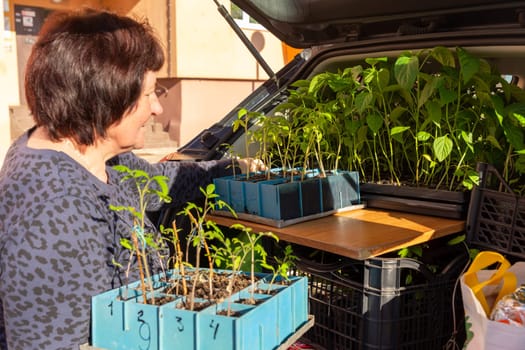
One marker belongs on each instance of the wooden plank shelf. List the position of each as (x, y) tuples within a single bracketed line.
[(359, 234)]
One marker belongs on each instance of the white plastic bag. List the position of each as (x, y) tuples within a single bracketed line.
[(482, 333)]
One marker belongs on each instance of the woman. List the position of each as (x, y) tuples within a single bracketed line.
[(90, 86)]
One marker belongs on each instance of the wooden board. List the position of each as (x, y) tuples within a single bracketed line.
[(360, 234)]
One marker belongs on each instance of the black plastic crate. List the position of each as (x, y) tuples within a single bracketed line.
[(369, 305), (496, 216)]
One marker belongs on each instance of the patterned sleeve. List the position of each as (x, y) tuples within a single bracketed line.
[(56, 252), (185, 177)]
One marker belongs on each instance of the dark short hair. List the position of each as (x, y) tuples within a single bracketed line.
[(86, 70)]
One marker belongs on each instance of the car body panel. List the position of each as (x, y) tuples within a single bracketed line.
[(305, 23)]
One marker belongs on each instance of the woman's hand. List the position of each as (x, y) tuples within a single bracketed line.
[(250, 165)]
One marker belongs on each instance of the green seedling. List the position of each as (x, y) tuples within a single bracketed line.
[(203, 230), (149, 188), (234, 252), (283, 267)]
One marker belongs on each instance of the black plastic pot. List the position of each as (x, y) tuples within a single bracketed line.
[(282, 200), (442, 203)]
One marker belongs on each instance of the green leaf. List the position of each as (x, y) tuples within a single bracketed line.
[(374, 60), (446, 96), (467, 184), (407, 97), (403, 252), (423, 136), (150, 241), (301, 83), (239, 122), (493, 141), (383, 78), (352, 126), (362, 134), (356, 72), (210, 189), (429, 90), (484, 98), (444, 56), (514, 134), (469, 64), (517, 112), (375, 122), (397, 113), (317, 82), (342, 84), (457, 240), (467, 137), (428, 158), (162, 181), (393, 88), (408, 279), (121, 168), (398, 130), (434, 111), (482, 86), (363, 101), (442, 147), (516, 92), (126, 243), (417, 250), (473, 175), (406, 69)]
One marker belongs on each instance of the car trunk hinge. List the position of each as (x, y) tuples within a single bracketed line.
[(222, 10)]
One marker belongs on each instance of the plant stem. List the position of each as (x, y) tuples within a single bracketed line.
[(141, 268), (179, 260), (143, 255), (210, 264)]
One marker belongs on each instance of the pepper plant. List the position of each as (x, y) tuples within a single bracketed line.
[(424, 118)]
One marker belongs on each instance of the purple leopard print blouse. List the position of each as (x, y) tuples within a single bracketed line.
[(58, 239)]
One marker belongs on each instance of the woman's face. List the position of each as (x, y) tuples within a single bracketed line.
[(129, 133)]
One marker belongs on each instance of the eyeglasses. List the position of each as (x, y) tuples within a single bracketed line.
[(161, 90)]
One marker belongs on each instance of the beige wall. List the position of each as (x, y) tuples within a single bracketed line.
[(158, 14), (210, 68), (195, 104), (214, 69), (201, 100), (208, 47)]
